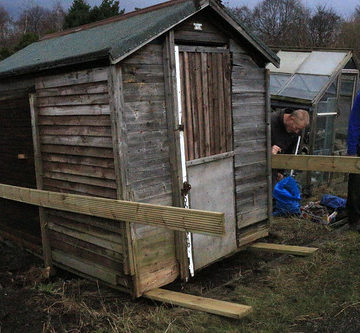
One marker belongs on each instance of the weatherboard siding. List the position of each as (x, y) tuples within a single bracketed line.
[(76, 146), (148, 172), (250, 145)]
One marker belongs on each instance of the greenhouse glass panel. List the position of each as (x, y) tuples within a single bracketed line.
[(304, 86), (277, 82), (324, 135), (322, 63)]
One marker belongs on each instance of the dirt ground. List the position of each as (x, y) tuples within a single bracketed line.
[(288, 294)]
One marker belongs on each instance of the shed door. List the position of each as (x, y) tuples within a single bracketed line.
[(206, 115)]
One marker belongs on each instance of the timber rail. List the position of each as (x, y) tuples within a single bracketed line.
[(344, 164)]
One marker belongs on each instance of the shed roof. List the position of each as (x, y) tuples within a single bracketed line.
[(305, 74), (116, 37)]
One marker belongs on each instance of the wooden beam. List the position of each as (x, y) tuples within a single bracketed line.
[(209, 305), (345, 164), (39, 181), (175, 218), (120, 149), (286, 249)]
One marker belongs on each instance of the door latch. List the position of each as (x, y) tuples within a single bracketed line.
[(186, 189)]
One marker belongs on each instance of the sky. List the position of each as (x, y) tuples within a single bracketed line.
[(14, 7)]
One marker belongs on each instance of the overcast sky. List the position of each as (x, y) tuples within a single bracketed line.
[(343, 7)]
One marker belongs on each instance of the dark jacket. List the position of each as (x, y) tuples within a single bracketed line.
[(279, 136), (353, 140)]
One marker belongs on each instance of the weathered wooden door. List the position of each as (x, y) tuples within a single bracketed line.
[(204, 88)]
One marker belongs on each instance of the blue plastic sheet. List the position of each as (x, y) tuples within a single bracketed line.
[(287, 195), (332, 201)]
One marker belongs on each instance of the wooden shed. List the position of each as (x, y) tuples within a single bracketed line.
[(167, 105)]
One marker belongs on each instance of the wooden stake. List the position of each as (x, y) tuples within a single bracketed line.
[(209, 305)]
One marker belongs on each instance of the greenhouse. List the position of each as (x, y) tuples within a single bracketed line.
[(324, 82)]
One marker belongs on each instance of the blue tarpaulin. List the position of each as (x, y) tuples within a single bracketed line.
[(332, 201), (287, 195)]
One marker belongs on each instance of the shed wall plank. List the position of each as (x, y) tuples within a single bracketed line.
[(149, 176), (77, 154), (249, 116)]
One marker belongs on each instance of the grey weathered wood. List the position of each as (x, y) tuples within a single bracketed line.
[(39, 181), (85, 99), (83, 160), (76, 130), (76, 120), (77, 89), (72, 78), (80, 179), (150, 54), (85, 189), (76, 110), (87, 268), (77, 150), (82, 170), (77, 140), (119, 134), (174, 145), (268, 146), (249, 102)]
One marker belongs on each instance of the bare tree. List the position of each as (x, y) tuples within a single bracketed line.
[(40, 20), (5, 26), (244, 15), (324, 26), (349, 36), (281, 22)]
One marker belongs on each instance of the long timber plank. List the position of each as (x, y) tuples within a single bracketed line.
[(209, 305), (346, 164), (285, 249), (175, 218)]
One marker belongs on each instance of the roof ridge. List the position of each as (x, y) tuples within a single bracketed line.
[(111, 19)]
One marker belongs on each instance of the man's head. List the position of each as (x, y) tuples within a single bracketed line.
[(296, 121)]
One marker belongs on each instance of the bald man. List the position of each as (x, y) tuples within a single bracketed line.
[(286, 126)]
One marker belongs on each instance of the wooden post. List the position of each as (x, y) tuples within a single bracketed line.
[(312, 143), (39, 181), (174, 142), (119, 136), (268, 142)]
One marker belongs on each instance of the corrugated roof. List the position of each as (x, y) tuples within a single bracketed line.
[(116, 38)]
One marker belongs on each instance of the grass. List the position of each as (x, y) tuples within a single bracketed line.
[(289, 294)]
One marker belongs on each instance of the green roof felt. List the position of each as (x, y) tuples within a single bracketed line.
[(114, 38)]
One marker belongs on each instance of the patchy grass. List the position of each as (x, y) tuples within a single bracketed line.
[(320, 293)]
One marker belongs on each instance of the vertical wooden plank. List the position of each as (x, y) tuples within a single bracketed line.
[(174, 141), (39, 181), (221, 92), (199, 103), (194, 105), (119, 137), (206, 111), (211, 103), (188, 108), (227, 102), (215, 96), (183, 101), (312, 135), (268, 142)]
